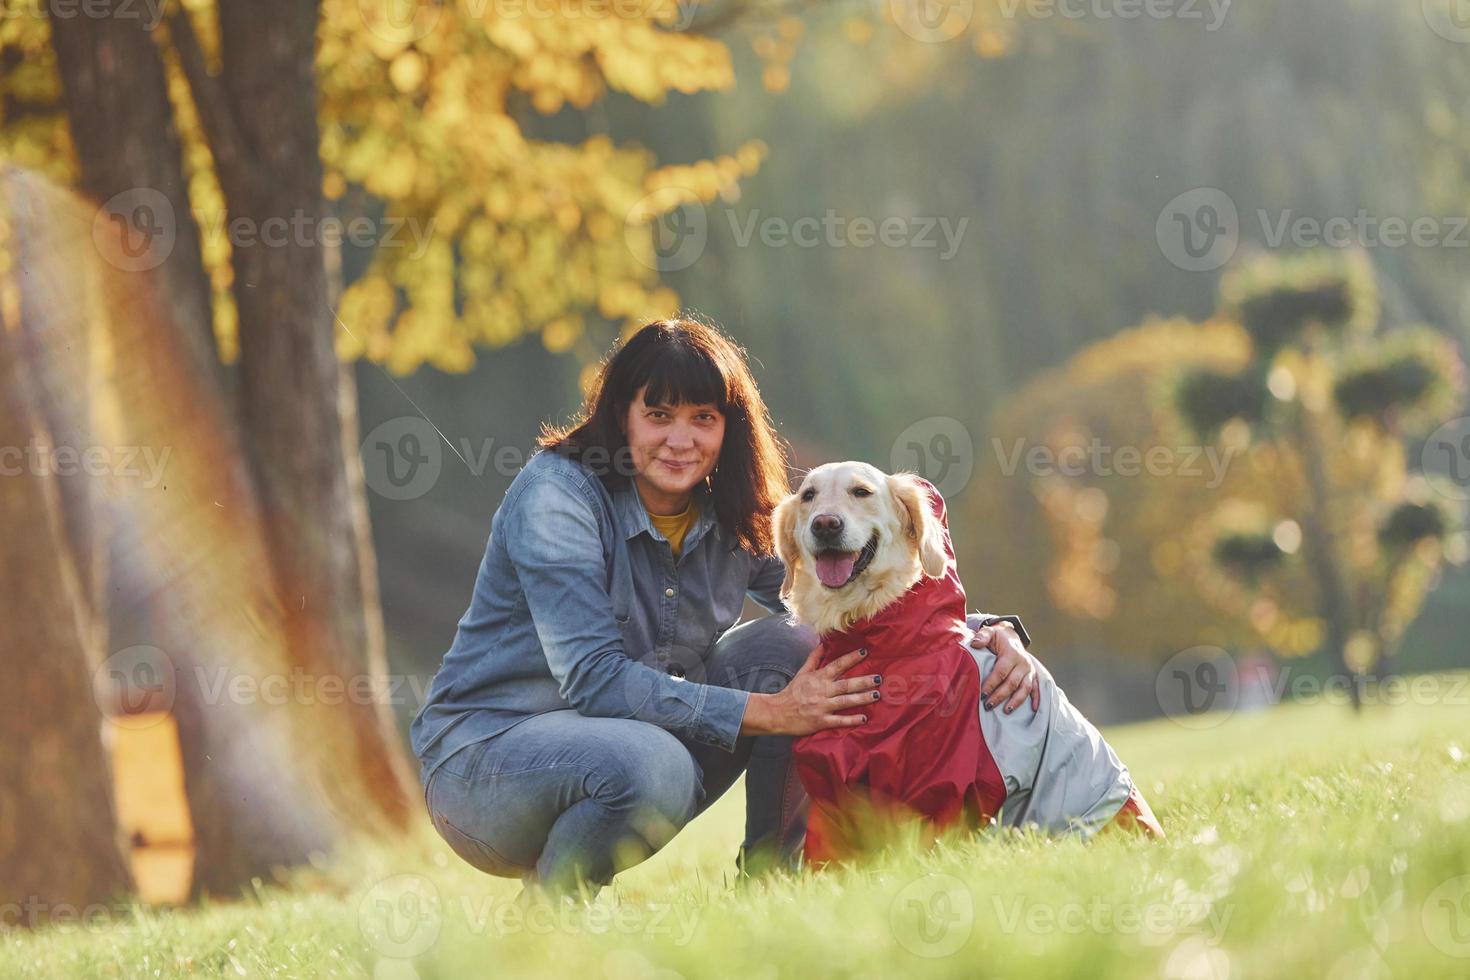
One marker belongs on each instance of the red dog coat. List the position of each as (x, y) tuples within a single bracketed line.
[(924, 748)]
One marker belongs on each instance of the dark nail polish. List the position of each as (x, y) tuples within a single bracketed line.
[(877, 678), (864, 653), (988, 705), (865, 717), (876, 695)]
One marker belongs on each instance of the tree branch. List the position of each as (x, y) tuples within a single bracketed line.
[(234, 162)]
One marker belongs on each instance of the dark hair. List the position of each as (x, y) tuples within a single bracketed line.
[(683, 360)]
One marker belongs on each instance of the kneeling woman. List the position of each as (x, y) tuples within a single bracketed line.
[(595, 698)]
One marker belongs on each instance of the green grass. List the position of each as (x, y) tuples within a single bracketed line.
[(1304, 842)]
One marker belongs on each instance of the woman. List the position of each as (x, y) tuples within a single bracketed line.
[(595, 698)]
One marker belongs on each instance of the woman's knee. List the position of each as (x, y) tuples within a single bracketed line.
[(655, 774), (763, 655)]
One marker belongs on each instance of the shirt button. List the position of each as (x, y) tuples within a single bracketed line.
[(669, 593)]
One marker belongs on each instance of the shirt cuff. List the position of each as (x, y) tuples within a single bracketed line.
[(720, 716), (978, 620)]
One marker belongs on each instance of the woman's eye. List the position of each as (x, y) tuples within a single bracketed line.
[(861, 492), (807, 495)]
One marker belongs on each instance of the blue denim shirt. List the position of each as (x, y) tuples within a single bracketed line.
[(580, 604)]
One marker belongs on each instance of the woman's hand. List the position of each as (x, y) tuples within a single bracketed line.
[(1014, 675), (811, 701)]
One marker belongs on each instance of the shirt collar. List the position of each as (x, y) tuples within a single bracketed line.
[(633, 516)]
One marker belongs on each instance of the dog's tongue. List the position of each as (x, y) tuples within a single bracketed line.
[(834, 568)]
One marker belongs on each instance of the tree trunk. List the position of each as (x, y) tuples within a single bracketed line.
[(122, 125), (250, 812), (294, 431), (1334, 601), (59, 845)]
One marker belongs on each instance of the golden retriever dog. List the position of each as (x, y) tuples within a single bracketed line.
[(869, 564)]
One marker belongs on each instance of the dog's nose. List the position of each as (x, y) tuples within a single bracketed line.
[(826, 526)]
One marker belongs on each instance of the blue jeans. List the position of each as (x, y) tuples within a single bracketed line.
[(563, 797)]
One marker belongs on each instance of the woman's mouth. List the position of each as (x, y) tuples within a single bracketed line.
[(837, 568)]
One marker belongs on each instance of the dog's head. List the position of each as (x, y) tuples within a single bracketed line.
[(853, 540)]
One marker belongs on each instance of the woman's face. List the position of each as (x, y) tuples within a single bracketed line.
[(674, 447)]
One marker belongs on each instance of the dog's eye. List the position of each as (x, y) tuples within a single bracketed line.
[(861, 492), (807, 495)]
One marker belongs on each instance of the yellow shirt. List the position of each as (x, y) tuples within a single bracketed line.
[(675, 526)]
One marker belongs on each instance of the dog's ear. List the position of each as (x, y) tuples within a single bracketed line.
[(920, 524), (783, 524)]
